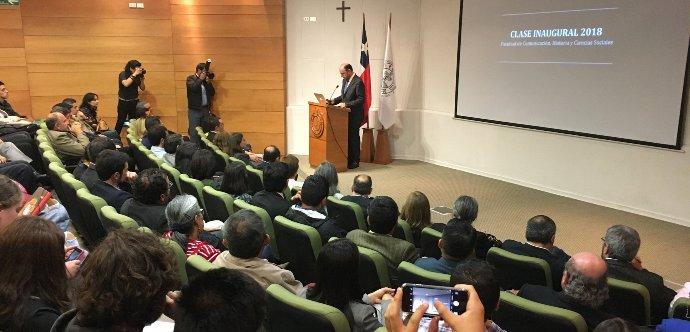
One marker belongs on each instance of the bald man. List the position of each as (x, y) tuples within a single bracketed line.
[(584, 289), (69, 143), (352, 97)]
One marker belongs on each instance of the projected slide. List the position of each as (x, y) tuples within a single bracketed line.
[(607, 69)]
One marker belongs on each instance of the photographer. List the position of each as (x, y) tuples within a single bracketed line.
[(199, 94), (129, 81)]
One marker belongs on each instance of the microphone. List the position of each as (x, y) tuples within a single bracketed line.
[(336, 88)]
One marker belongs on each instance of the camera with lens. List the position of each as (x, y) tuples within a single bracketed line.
[(207, 68), (143, 72)]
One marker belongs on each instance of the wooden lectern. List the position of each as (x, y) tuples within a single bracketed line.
[(328, 135)]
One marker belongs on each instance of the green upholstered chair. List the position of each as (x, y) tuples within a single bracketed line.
[(680, 309), (255, 179), (180, 258), (91, 206), (200, 131), (518, 314), (222, 159), (412, 274), (42, 124), (429, 241), (373, 272), (155, 160), (270, 225), (55, 171), (113, 220), (195, 188), (299, 245), (70, 185), (628, 300), (145, 229), (218, 203), (233, 159), (197, 265), (514, 270), (347, 215), (51, 157), (174, 177), (403, 231), (289, 312), (142, 158)]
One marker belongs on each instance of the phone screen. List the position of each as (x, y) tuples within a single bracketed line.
[(414, 295), (76, 254)]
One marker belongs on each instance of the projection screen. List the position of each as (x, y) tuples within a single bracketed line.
[(612, 69)]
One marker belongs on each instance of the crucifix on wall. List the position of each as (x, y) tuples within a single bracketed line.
[(342, 8)]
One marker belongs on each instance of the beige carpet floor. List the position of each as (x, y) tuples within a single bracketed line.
[(504, 209)]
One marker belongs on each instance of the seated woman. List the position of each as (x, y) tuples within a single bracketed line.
[(336, 265), (465, 209), (89, 112), (186, 223), (183, 156), (329, 172), (33, 279), (151, 191), (235, 181), (417, 213), (202, 168), (138, 123), (236, 146)]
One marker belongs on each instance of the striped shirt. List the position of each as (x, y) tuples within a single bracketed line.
[(200, 248)]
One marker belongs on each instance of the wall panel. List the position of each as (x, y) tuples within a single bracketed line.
[(13, 69)]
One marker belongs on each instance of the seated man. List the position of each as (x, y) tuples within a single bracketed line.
[(244, 234), (382, 220), (271, 154), (271, 198), (482, 276), (111, 167), (149, 123), (157, 136), (541, 235), (293, 169), (310, 211), (361, 189), (584, 289), (86, 170), (621, 244), (210, 125), (456, 244), (172, 141), (69, 143), (221, 300), (5, 106), (151, 192)]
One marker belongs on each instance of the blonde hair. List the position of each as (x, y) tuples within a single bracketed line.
[(138, 127), (416, 210)]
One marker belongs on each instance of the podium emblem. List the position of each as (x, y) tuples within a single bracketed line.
[(317, 124)]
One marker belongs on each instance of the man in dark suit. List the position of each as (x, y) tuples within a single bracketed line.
[(540, 235), (199, 94), (361, 189), (620, 247), (311, 212), (111, 167), (271, 155), (584, 289), (271, 198), (352, 97)]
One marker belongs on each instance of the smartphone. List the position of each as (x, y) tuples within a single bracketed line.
[(414, 295), (77, 254)]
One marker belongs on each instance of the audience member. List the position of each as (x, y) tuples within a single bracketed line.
[(10, 152), (271, 198), (271, 154), (142, 112), (33, 279), (170, 145), (157, 136), (293, 167), (186, 223), (361, 189), (620, 247), (19, 170), (151, 193), (10, 201), (149, 123), (202, 167), (482, 276), (4, 104), (382, 220), (336, 265), (111, 167), (328, 171), (465, 209), (69, 143), (244, 234), (221, 300), (86, 170), (236, 146), (235, 181), (122, 285), (183, 156), (456, 244), (89, 108), (584, 289), (311, 210), (541, 235), (211, 125), (417, 213), (616, 325)]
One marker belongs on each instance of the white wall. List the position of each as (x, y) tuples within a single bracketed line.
[(643, 180)]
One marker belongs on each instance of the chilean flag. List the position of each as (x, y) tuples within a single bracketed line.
[(366, 72)]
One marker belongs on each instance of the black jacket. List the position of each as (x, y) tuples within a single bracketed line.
[(484, 242), (273, 203), (556, 258), (7, 108), (194, 92), (113, 196), (151, 216), (326, 227), (361, 201), (353, 97)]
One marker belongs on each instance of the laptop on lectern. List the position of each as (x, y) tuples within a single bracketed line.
[(321, 99)]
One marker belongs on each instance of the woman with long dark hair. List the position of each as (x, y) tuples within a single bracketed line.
[(336, 265), (33, 279), (183, 156), (202, 167), (235, 181), (89, 107), (130, 81)]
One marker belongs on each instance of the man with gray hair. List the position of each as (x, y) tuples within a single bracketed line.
[(584, 289), (244, 234), (620, 247), (361, 189)]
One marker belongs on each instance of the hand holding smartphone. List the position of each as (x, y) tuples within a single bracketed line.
[(414, 295), (77, 254)]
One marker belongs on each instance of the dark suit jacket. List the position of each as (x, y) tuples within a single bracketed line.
[(326, 227), (551, 297), (273, 203), (194, 92), (361, 201), (353, 97), (151, 216), (660, 296), (393, 250), (113, 196), (556, 258)]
